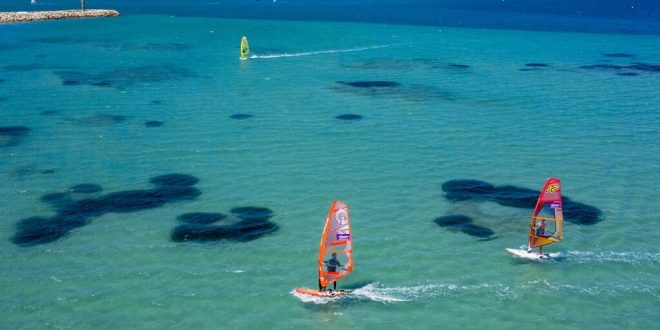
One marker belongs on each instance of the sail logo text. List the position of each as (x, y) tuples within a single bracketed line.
[(342, 236), (552, 188)]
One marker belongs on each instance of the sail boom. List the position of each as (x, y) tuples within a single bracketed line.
[(544, 218)]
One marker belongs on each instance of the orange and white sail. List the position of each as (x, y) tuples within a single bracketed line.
[(336, 238), (547, 225)]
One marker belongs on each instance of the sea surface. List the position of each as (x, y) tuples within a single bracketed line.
[(152, 179)]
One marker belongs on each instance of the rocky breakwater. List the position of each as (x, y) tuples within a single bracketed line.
[(29, 16)]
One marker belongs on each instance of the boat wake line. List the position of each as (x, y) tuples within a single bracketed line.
[(318, 52)]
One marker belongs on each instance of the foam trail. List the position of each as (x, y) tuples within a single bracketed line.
[(375, 292), (313, 299), (502, 291), (378, 293), (319, 52), (634, 258)]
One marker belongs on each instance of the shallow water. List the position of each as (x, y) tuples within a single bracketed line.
[(436, 104)]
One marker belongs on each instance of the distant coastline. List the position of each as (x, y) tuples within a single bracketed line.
[(32, 16)]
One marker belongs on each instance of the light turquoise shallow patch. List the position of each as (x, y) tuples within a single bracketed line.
[(595, 130)]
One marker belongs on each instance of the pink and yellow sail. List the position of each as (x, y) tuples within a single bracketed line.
[(547, 224)]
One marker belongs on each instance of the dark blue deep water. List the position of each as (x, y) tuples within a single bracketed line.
[(624, 16)]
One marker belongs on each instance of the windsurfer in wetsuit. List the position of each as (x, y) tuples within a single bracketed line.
[(540, 231), (331, 266)]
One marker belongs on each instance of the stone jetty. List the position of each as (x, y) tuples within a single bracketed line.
[(29, 16)]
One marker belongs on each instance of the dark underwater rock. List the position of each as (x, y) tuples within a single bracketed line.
[(102, 120), (477, 231), (56, 199), (537, 65), (603, 66), (72, 213), (634, 66), (12, 135), (253, 223), (14, 130), (240, 116), (644, 67), (459, 66), (176, 179), (414, 93), (519, 197), (22, 67), (252, 229), (240, 232), (619, 55), (123, 77), (153, 123), (251, 212), (85, 188), (452, 220), (464, 224), (515, 196), (349, 117), (627, 74), (460, 190), (103, 83), (581, 214), (199, 233), (371, 84), (201, 218), (39, 230)]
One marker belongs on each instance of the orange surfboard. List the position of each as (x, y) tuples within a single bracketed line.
[(325, 294)]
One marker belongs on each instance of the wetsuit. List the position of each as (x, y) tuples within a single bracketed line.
[(331, 266)]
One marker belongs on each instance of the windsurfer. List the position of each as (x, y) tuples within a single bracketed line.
[(331, 266), (540, 231)]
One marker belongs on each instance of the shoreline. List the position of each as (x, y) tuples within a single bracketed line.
[(35, 16)]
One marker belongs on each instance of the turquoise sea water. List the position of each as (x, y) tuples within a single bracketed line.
[(458, 107)]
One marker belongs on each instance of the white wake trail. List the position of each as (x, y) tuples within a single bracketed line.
[(318, 52), (629, 257)]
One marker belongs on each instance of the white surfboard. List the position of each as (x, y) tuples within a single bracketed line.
[(532, 255)]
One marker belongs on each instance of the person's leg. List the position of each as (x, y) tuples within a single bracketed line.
[(320, 287), (334, 285)]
